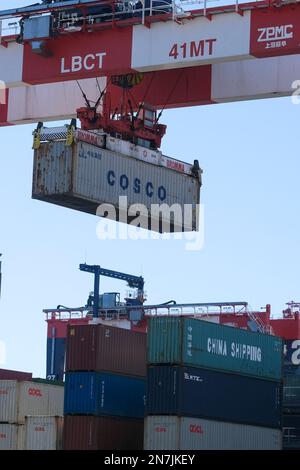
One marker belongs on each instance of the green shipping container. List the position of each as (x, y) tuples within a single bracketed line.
[(188, 341)]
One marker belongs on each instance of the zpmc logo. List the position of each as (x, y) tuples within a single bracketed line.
[(275, 33), (35, 392)]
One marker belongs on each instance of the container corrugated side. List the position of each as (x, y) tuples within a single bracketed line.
[(104, 394), (200, 343), (102, 433), (20, 399), (43, 433), (83, 176), (105, 348), (291, 393), (173, 433), (202, 393), (11, 436), (291, 431)]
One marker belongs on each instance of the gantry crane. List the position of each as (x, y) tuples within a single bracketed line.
[(209, 55)]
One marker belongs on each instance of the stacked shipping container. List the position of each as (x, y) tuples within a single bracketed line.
[(105, 388), (212, 386), (291, 395), (26, 411)]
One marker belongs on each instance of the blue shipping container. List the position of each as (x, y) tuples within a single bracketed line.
[(292, 357), (190, 391), (100, 394), (56, 348)]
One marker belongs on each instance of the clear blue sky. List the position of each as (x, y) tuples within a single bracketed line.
[(250, 155)]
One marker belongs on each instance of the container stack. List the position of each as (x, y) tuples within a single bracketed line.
[(212, 387), (30, 415), (291, 409), (105, 388)]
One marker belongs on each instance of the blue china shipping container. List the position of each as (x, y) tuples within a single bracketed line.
[(189, 391), (100, 394), (198, 343)]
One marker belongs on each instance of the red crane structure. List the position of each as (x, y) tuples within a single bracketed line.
[(183, 58)]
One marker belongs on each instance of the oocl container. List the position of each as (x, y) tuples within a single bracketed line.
[(105, 348), (20, 399), (203, 344), (84, 176), (189, 391), (11, 436), (43, 433), (104, 394), (173, 433), (103, 433)]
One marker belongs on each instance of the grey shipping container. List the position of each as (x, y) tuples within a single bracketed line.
[(201, 343), (11, 436), (43, 433), (83, 176), (291, 394), (102, 433), (106, 348), (189, 391), (173, 433)]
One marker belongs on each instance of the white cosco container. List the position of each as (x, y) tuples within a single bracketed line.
[(173, 433), (11, 436), (20, 399), (43, 433), (84, 177)]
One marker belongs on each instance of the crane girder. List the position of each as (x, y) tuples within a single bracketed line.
[(202, 85), (253, 30)]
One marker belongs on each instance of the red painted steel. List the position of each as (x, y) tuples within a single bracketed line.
[(15, 375), (99, 433), (106, 348), (94, 55), (275, 31), (3, 107)]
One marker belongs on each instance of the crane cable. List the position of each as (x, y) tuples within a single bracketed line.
[(169, 96), (87, 101)]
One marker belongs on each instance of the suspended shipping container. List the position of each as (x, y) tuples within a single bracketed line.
[(103, 433), (291, 394), (11, 436), (105, 348), (200, 343), (104, 394), (291, 431), (173, 433), (20, 399), (83, 176), (43, 433), (189, 391)]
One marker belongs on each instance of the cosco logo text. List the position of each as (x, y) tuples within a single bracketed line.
[(35, 392), (136, 185)]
